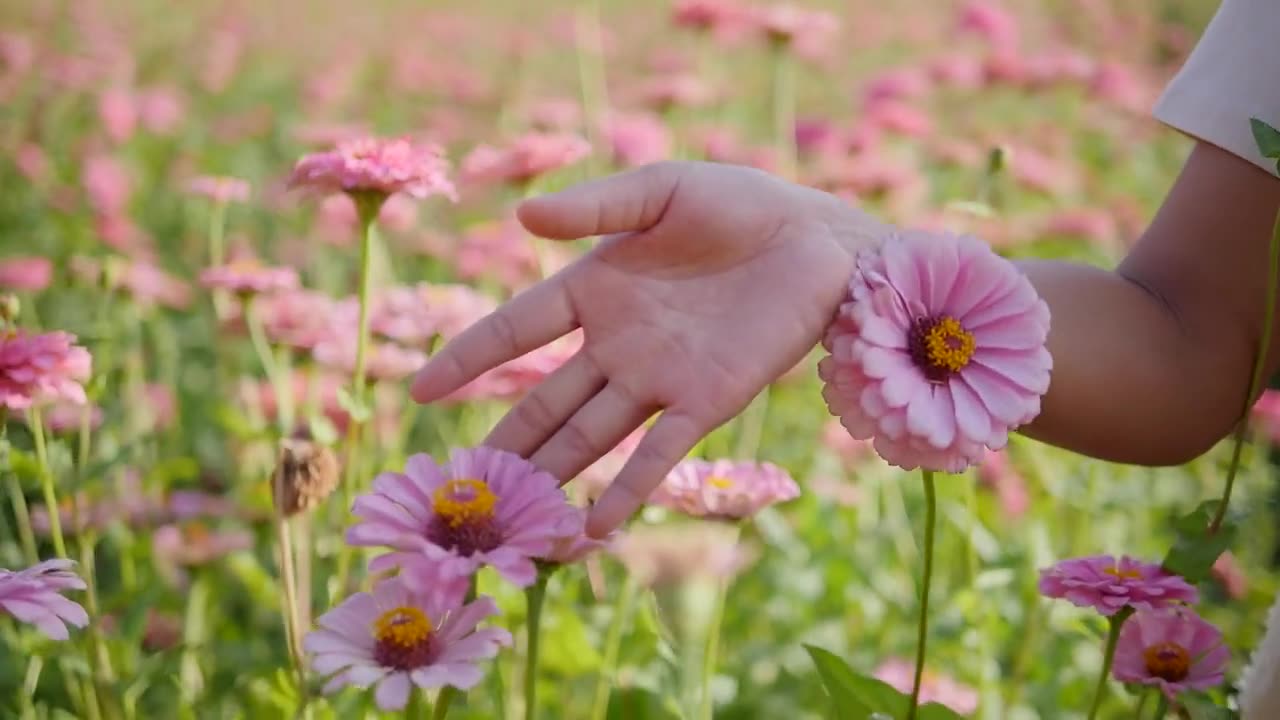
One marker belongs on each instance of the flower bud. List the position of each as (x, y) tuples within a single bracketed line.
[(306, 473)]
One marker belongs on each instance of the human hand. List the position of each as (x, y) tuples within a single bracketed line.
[(713, 280)]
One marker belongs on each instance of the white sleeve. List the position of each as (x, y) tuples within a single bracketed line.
[(1233, 74)]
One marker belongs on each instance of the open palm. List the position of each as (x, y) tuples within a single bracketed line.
[(712, 281)]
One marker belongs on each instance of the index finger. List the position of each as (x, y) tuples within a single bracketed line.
[(528, 321), (663, 445)]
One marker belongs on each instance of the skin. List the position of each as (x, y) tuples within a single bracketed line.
[(713, 280)]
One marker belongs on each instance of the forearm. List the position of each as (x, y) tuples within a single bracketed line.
[(1134, 380)]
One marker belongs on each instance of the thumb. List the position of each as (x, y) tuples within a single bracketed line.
[(633, 201)]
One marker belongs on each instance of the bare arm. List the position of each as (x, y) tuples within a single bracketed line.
[(1152, 361)]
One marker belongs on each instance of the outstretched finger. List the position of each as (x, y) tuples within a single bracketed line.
[(541, 413), (633, 201), (665, 444), (528, 321), (595, 429)]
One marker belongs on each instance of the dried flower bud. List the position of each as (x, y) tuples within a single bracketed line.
[(305, 475), (9, 308)]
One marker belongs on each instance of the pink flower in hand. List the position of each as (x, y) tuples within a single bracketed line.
[(399, 639), (939, 353), (1172, 649), (1109, 584)]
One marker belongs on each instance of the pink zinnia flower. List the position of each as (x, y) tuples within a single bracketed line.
[(899, 674), (672, 555), (676, 90), (249, 276), (32, 596), (939, 353), (706, 14), (898, 84), (498, 249), (161, 109), (724, 489), (455, 307), (47, 367), (1109, 584), (377, 166), (175, 547), (989, 21), (556, 114), (299, 319), (383, 361), (25, 274), (515, 377), (107, 183), (530, 156), (898, 117), (219, 189), (788, 24), (148, 284), (1172, 649), (636, 139), (118, 114), (399, 639), (483, 507)]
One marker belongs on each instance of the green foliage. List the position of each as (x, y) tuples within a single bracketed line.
[(1196, 549)]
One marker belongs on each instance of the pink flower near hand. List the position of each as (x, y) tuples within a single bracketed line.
[(530, 156), (939, 353), (1172, 649), (249, 277), (636, 139), (1108, 584), (299, 319), (724, 489), (25, 274), (219, 189), (573, 549), (397, 640), (377, 166), (33, 596), (483, 507), (48, 367), (385, 362)]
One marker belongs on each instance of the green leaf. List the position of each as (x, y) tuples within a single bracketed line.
[(935, 711), (1194, 552), (856, 697), (1201, 707), (358, 411), (639, 704), (1267, 138)]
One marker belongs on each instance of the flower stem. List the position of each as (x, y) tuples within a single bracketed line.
[(534, 596), (1113, 637), (419, 707), (1259, 371), (367, 207), (279, 384), (922, 625), (443, 702), (46, 483), (612, 648), (1162, 708), (23, 515), (713, 649), (217, 253)]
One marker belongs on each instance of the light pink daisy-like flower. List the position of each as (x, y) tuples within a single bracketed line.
[(118, 114), (791, 24), (398, 639), (672, 555), (107, 183), (33, 596), (377, 166), (556, 114), (1172, 649), (934, 687), (939, 353), (1108, 584), (25, 274), (706, 14), (676, 90), (637, 139), (48, 367), (384, 361), (249, 277), (299, 319), (530, 156), (724, 489), (483, 507), (515, 377), (990, 22), (219, 189), (498, 249)]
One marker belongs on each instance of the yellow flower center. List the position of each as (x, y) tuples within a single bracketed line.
[(719, 482), (403, 638), (464, 502), (940, 346), (1168, 661), (1130, 574), (405, 627)]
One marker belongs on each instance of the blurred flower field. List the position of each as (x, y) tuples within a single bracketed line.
[(207, 207)]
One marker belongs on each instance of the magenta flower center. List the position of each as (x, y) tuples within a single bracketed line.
[(940, 346), (1167, 661), (464, 520), (403, 638)]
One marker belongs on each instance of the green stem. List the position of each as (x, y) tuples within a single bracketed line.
[(217, 253), (1113, 637), (262, 348), (922, 625), (613, 647), (752, 426), (1162, 708), (1142, 703), (713, 650), (534, 596), (23, 515), (30, 681), (419, 707), (192, 677), (1259, 371), (367, 207), (46, 483), (443, 702)]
